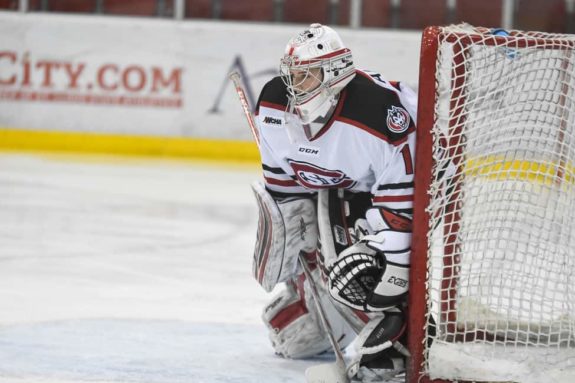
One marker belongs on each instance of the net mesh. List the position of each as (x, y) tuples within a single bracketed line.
[(501, 240)]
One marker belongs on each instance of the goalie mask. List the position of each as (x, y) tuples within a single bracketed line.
[(316, 66)]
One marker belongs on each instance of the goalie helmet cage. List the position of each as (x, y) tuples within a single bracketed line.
[(492, 278)]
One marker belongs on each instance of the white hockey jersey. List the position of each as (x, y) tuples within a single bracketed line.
[(368, 145)]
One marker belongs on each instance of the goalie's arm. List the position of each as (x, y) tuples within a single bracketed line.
[(392, 242), (378, 265), (391, 222)]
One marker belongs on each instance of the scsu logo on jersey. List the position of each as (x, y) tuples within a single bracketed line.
[(314, 177), (397, 119)]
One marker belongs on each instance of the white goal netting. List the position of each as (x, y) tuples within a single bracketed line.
[(501, 240)]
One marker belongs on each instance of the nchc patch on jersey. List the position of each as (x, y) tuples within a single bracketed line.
[(367, 145), (397, 119)]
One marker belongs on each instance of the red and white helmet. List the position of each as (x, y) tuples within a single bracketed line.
[(318, 46)]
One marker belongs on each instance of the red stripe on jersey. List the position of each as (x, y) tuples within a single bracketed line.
[(375, 132), (272, 105), (393, 198), (274, 181)]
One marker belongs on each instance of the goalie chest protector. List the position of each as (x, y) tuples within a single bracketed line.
[(354, 150)]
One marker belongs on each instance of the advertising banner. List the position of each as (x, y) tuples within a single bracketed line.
[(137, 76)]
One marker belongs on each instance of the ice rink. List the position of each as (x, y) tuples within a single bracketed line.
[(130, 271)]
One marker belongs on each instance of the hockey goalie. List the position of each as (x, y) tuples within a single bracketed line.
[(337, 146)]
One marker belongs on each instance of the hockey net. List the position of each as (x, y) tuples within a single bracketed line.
[(492, 295)]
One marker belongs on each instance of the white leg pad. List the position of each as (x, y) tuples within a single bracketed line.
[(295, 328)]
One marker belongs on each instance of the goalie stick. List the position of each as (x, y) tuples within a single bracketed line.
[(329, 372), (237, 80), (323, 373)]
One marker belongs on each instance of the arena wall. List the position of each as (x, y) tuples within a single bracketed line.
[(152, 87)]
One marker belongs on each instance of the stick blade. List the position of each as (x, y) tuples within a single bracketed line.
[(326, 373)]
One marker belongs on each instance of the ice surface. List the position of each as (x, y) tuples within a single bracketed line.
[(130, 271)]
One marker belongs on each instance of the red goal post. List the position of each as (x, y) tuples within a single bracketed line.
[(492, 289)]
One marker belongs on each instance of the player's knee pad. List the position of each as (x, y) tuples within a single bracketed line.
[(284, 229), (295, 329)]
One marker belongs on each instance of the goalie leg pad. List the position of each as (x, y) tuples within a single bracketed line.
[(295, 330), (284, 229)]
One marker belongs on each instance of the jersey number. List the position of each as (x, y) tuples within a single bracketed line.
[(407, 159)]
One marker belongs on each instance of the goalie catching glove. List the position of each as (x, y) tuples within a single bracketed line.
[(373, 274)]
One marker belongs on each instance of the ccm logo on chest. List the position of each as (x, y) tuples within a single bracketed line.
[(308, 151), (313, 177)]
